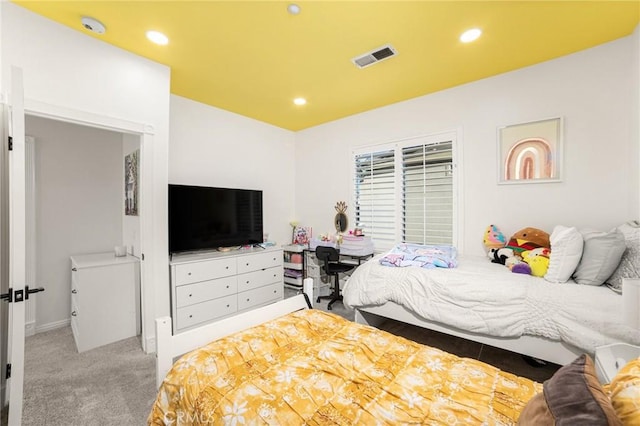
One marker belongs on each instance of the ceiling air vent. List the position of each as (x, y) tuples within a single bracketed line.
[(376, 55)]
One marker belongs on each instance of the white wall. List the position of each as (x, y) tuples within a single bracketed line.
[(130, 224), (212, 147), (81, 75), (78, 199), (635, 111), (592, 90)]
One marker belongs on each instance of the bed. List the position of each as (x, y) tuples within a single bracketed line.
[(486, 302), (286, 364)]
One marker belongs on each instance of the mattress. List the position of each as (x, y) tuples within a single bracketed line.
[(313, 367), (483, 297)]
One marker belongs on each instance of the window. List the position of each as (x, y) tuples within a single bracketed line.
[(406, 192)]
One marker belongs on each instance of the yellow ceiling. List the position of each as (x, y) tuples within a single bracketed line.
[(253, 57)]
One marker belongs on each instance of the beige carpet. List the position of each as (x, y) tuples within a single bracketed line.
[(115, 384)]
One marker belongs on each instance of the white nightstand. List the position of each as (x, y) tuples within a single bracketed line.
[(611, 358)]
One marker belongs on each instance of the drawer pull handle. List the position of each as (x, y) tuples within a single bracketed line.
[(226, 267), (227, 286), (247, 281), (188, 273), (247, 263), (74, 314), (247, 300), (190, 295), (275, 291), (190, 316), (74, 291), (227, 306)]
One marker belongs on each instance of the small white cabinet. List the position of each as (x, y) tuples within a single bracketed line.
[(105, 299), (209, 286)]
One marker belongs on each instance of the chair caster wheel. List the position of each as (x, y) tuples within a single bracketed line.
[(318, 300), (328, 308)]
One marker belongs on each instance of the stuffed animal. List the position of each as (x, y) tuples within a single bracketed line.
[(493, 238), (538, 260), (500, 255), (521, 268), (528, 239)]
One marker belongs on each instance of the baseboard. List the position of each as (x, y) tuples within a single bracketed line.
[(52, 325), (30, 328), (150, 347)]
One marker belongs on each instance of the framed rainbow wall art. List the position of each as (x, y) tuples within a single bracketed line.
[(530, 152)]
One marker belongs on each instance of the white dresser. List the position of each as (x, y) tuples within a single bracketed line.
[(209, 286), (105, 299)]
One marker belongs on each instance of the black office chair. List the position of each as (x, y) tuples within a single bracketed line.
[(330, 263)]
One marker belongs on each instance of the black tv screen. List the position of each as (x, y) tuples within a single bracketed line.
[(209, 218)]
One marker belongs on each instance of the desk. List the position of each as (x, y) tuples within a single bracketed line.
[(351, 258), (313, 269)]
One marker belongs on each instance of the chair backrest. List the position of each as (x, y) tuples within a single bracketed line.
[(326, 255)]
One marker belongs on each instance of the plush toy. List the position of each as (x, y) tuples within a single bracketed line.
[(521, 268), (528, 239), (500, 255), (493, 238), (538, 260)]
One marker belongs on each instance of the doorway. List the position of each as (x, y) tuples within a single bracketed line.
[(78, 193)]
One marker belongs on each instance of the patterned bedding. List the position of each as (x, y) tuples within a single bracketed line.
[(313, 367), (422, 256)]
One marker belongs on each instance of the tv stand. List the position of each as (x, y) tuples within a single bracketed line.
[(208, 286)]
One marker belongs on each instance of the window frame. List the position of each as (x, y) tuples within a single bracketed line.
[(397, 146)]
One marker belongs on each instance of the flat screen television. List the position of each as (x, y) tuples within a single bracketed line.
[(202, 218)]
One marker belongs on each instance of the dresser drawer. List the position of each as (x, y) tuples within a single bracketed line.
[(259, 278), (203, 271), (253, 262), (206, 290), (260, 296), (206, 311)]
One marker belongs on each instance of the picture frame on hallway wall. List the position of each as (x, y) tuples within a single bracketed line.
[(131, 166), (530, 152)]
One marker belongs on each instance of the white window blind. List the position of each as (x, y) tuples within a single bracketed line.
[(427, 194), (405, 192), (375, 208)]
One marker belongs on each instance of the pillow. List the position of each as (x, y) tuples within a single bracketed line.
[(573, 396), (601, 256), (625, 393), (628, 267), (566, 251)]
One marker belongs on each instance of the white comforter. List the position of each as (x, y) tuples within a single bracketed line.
[(483, 297)]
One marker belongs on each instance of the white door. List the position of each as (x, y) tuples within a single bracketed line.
[(17, 294)]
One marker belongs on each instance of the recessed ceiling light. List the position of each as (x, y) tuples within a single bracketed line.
[(157, 37), (300, 101), (293, 9), (470, 35)]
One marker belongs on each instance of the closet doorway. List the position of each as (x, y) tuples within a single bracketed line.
[(76, 188)]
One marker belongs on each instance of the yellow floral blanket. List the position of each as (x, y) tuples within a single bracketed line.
[(316, 368)]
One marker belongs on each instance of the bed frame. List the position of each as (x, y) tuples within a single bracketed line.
[(533, 346), (170, 346)]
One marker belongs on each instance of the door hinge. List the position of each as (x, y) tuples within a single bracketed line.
[(10, 143), (142, 256), (8, 372)]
